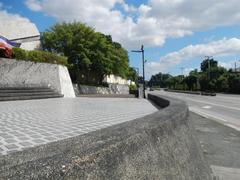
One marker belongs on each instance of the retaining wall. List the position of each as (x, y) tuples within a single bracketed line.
[(14, 73), (112, 89), (158, 146)]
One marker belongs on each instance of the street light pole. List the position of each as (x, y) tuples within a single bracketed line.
[(143, 62)]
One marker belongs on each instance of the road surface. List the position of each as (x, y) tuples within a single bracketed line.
[(223, 108)]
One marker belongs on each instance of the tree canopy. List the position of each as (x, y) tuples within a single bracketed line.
[(91, 55), (211, 78)]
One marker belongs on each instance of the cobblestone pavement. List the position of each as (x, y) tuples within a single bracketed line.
[(30, 123)]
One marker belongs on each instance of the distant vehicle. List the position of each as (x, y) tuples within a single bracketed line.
[(208, 93)]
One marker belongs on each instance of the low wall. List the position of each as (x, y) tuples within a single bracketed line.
[(112, 89), (193, 92), (158, 146), (15, 73)]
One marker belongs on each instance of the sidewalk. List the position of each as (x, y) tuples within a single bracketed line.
[(221, 146)]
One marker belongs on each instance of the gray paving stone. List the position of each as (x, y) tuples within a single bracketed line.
[(26, 144), (29, 123), (11, 146), (38, 141), (10, 140)]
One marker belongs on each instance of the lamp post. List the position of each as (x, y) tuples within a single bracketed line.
[(143, 63)]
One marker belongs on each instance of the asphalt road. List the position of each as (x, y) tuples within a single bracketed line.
[(222, 108)]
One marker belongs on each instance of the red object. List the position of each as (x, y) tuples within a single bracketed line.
[(7, 52)]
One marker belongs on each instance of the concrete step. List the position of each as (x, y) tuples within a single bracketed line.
[(30, 97), (25, 90), (26, 93), (15, 94)]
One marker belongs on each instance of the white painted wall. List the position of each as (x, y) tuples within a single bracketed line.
[(65, 82)]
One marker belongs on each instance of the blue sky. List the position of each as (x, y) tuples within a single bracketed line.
[(177, 33)]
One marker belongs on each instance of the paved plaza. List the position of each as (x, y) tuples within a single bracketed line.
[(30, 123)]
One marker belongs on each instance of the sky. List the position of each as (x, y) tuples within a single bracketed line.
[(175, 33)]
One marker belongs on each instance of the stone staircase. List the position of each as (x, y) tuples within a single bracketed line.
[(26, 93)]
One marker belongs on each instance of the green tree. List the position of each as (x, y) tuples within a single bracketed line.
[(208, 63), (159, 80), (91, 55), (234, 82), (133, 75)]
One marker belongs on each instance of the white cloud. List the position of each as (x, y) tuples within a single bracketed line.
[(153, 22), (34, 5), (220, 48)]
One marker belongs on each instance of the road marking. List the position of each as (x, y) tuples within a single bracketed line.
[(234, 127), (214, 117), (207, 107), (206, 115), (204, 102), (180, 96), (226, 172)]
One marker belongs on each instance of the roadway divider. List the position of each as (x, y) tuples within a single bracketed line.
[(158, 146)]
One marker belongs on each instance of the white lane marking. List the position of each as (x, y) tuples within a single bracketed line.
[(207, 107), (214, 117), (225, 172), (232, 126), (180, 96), (204, 102), (206, 115)]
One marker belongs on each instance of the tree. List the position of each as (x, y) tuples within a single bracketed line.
[(91, 55), (208, 63), (159, 80), (132, 75), (234, 82)]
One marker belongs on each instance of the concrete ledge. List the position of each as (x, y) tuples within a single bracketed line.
[(158, 146)]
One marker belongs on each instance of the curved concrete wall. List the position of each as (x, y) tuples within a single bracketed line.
[(158, 146), (15, 73)]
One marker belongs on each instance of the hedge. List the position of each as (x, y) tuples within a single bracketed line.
[(39, 56)]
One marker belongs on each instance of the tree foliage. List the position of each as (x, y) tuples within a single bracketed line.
[(211, 78), (159, 80), (91, 55)]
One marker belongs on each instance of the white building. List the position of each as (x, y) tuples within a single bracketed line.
[(16, 27), (112, 79)]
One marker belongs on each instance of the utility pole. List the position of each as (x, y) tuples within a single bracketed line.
[(182, 69), (143, 64), (209, 66)]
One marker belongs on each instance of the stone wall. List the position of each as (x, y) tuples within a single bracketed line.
[(158, 146), (15, 73), (112, 89)]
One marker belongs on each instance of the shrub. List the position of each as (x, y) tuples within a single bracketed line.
[(132, 87), (19, 53), (39, 56)]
